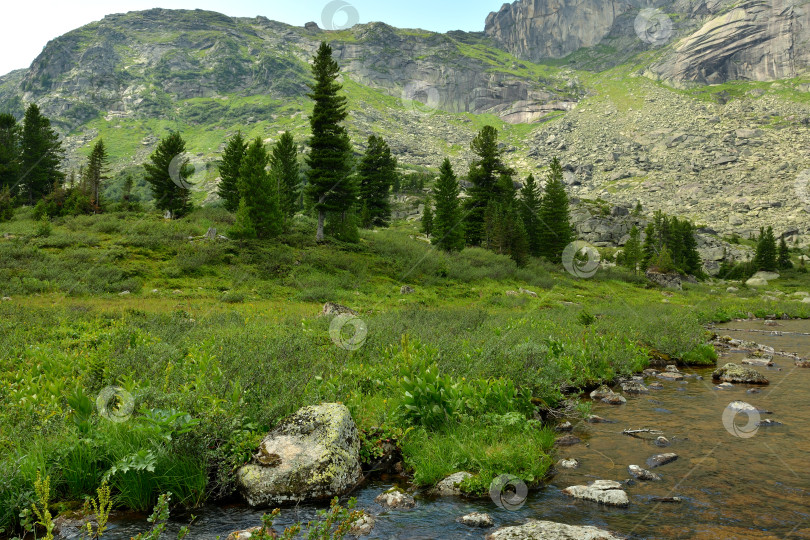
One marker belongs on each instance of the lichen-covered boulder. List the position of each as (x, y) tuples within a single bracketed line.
[(449, 487), (604, 492), (548, 530), (312, 455), (733, 373), (395, 498)]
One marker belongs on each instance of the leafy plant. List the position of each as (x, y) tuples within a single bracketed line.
[(101, 508), (42, 488)]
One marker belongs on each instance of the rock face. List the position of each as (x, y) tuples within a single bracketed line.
[(733, 373), (548, 530), (313, 455), (602, 491)]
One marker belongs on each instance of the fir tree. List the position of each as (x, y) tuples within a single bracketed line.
[(448, 229), (766, 253), (96, 172), (285, 171), (258, 191), (331, 187), (171, 194), (427, 218), (555, 219), (126, 193), (691, 261), (228, 189), (6, 204), (377, 172), (242, 228), (9, 152), (530, 198), (783, 260), (485, 173), (650, 248), (632, 254), (41, 156)]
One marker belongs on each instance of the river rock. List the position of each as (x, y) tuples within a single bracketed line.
[(732, 373), (667, 499), (250, 533), (477, 519), (564, 427), (672, 369), (548, 530), (768, 423), (643, 474), (803, 363), (363, 525), (567, 440), (614, 399), (395, 498), (764, 362), (593, 419), (742, 406), (568, 464), (659, 460), (605, 492), (656, 386), (662, 442), (669, 376), (601, 392), (633, 387), (312, 455), (449, 486)]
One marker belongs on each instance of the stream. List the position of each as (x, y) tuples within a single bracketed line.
[(731, 487)]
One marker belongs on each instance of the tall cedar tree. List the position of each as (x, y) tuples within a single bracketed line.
[(259, 191), (448, 228), (171, 197), (427, 217), (376, 172), (530, 198), (285, 171), (485, 173), (555, 218), (96, 172), (9, 152), (632, 254), (331, 187), (41, 156), (228, 189), (783, 260), (766, 253), (504, 232)]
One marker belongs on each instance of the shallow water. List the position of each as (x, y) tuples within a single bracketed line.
[(732, 487)]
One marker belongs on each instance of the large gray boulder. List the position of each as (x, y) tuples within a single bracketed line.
[(733, 373), (312, 455), (548, 530), (604, 492)]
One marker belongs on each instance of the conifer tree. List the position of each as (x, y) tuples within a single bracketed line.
[(242, 228), (632, 254), (377, 172), (9, 153), (650, 248), (555, 218), (691, 261), (41, 156), (783, 260), (171, 194), (6, 204), (228, 189), (330, 187), (258, 191), (126, 193), (285, 171), (766, 253), (448, 228), (485, 173), (96, 172), (427, 217), (530, 198)]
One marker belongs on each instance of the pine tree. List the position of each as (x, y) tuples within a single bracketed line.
[(242, 228), (331, 187), (126, 193), (96, 172), (427, 217), (766, 253), (259, 192), (448, 228), (555, 219), (485, 173), (504, 232), (9, 153), (41, 156), (228, 189), (530, 198), (171, 194), (632, 254), (285, 171), (6, 204), (783, 260), (692, 263), (650, 249), (377, 172)]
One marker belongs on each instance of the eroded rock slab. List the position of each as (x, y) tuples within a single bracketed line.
[(549, 530), (605, 492)]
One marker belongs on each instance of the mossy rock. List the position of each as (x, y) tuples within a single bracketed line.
[(733, 373)]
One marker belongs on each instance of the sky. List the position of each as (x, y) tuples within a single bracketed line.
[(30, 24)]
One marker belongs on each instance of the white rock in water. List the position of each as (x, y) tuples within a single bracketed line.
[(568, 464), (449, 486), (395, 498), (477, 519), (643, 474), (548, 530), (605, 492)]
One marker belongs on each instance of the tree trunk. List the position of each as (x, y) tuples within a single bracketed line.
[(319, 235)]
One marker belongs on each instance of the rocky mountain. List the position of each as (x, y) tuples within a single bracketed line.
[(604, 86)]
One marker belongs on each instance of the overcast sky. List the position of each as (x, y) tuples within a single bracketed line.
[(29, 24)]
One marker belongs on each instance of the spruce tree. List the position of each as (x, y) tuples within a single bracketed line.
[(242, 228), (650, 248), (448, 228), (9, 152), (766, 253), (692, 263), (530, 198), (228, 189), (171, 195), (485, 173), (41, 156), (504, 232), (6, 204), (555, 218), (783, 259), (377, 172), (330, 187), (126, 193), (427, 218), (96, 172), (632, 254), (259, 192), (285, 171)]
